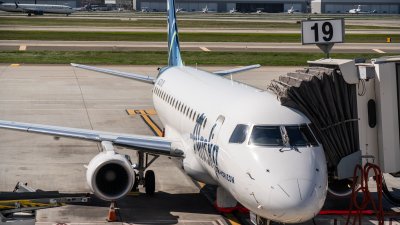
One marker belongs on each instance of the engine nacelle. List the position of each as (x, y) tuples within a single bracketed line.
[(110, 175)]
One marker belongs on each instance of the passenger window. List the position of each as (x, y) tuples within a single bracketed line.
[(300, 136), (239, 134), (266, 136)]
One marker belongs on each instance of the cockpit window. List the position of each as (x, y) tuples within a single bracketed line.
[(292, 135), (239, 134), (266, 136), (300, 136)]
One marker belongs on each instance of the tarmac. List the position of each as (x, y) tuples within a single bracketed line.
[(66, 96)]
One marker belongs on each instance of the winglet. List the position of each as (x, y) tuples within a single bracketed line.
[(174, 52), (16, 5)]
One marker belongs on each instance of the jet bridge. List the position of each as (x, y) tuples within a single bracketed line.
[(354, 110)]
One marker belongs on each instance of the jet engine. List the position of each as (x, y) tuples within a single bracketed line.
[(110, 175), (340, 188)]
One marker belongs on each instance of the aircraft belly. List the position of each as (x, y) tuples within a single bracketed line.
[(194, 169)]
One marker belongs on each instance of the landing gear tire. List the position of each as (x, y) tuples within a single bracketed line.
[(29, 14), (150, 182)]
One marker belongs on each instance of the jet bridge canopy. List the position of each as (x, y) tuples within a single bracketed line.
[(324, 96)]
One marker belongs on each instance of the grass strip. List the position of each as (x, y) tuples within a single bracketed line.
[(161, 23), (160, 57), (188, 37)]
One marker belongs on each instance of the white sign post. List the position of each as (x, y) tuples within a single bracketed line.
[(323, 33)]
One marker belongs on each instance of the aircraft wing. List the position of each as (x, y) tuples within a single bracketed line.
[(138, 77), (237, 70), (155, 145)]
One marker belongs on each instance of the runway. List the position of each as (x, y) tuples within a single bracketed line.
[(6, 27), (33, 45)]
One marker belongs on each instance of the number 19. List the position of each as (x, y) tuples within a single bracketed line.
[(327, 30)]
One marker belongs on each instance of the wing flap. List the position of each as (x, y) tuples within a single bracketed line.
[(155, 145), (138, 77), (237, 70)]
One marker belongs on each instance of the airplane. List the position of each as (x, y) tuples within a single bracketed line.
[(358, 10), (36, 9), (259, 153), (206, 10), (291, 10), (233, 10), (355, 11), (179, 9)]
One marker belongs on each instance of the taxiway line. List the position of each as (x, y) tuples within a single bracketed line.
[(22, 47), (153, 126), (205, 49), (378, 50)]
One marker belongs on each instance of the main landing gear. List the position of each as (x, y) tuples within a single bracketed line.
[(144, 177)]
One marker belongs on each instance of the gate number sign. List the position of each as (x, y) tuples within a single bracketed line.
[(322, 31)]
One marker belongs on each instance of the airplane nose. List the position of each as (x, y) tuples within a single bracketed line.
[(295, 200)]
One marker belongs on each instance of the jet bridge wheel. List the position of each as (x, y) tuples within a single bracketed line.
[(150, 182)]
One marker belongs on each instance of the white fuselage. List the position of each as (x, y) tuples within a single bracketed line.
[(40, 8), (202, 110)]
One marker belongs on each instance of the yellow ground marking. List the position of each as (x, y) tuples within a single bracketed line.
[(22, 47), (150, 123), (232, 220), (14, 65), (131, 112), (378, 50), (150, 112), (10, 204), (205, 49)]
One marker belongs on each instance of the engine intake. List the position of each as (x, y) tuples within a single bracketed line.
[(110, 175)]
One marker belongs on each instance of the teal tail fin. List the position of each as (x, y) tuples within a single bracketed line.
[(174, 51)]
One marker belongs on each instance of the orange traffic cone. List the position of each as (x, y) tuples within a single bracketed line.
[(112, 213)]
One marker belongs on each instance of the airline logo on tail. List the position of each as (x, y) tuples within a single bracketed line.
[(174, 52)]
